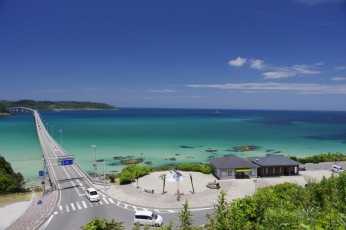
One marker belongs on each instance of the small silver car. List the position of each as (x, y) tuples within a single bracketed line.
[(92, 194), (148, 218), (337, 169)]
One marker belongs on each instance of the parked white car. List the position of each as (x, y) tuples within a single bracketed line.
[(337, 169), (92, 194), (148, 218)]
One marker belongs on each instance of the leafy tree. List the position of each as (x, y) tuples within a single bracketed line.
[(97, 224), (185, 217), (222, 218), (129, 173), (9, 180), (3, 109), (112, 177)]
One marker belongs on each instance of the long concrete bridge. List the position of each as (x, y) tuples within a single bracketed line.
[(53, 153)]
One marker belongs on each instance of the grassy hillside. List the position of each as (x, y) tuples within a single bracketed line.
[(62, 105)]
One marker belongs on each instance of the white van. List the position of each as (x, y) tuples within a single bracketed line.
[(148, 218), (337, 169)]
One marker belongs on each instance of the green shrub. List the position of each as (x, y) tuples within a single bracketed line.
[(112, 177), (131, 172), (194, 167)]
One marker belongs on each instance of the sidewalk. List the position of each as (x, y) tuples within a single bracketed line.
[(27, 215)]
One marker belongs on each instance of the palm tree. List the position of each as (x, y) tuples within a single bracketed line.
[(193, 189), (163, 177)]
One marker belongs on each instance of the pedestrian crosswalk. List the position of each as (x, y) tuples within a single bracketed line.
[(80, 205)]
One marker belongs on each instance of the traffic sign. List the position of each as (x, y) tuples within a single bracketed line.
[(41, 173), (39, 202), (66, 162)]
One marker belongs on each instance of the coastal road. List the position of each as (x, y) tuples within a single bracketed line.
[(73, 209)]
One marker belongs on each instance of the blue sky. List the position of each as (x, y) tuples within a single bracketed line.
[(247, 54)]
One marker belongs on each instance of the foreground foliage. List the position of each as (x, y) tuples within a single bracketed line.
[(97, 224), (10, 181), (289, 206)]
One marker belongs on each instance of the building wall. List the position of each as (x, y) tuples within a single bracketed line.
[(267, 171), (225, 174)]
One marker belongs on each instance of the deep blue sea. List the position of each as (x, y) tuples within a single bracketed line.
[(169, 136)]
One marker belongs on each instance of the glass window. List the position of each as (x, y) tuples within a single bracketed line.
[(231, 173)]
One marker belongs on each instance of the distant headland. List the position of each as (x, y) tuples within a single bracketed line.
[(53, 105)]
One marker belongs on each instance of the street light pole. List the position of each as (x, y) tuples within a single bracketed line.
[(104, 175), (95, 163), (256, 169), (60, 137), (52, 131)]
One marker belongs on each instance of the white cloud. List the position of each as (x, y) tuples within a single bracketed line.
[(257, 64), (340, 67), (316, 2), (279, 87), (173, 97), (277, 74), (274, 72), (162, 91), (283, 72), (237, 62), (339, 78)]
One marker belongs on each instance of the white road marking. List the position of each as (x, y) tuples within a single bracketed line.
[(79, 207), (72, 205), (67, 208), (84, 204), (105, 200), (111, 200)]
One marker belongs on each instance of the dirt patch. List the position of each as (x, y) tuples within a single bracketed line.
[(14, 198)]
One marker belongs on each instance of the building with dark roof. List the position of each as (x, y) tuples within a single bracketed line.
[(275, 165), (232, 167)]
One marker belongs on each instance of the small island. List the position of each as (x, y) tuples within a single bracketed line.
[(53, 105)]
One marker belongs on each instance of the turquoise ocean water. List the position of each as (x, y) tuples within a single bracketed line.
[(169, 136)]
